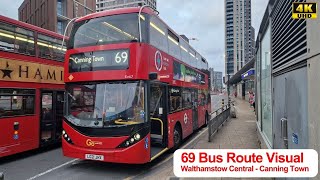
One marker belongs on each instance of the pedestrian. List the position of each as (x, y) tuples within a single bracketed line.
[(254, 102), (251, 96)]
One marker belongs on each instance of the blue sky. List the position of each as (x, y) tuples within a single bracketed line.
[(201, 19)]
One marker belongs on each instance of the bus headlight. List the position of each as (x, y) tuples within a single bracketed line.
[(127, 143), (136, 137), (66, 137)]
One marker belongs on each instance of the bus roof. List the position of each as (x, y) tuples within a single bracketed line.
[(30, 27), (128, 10), (115, 12)]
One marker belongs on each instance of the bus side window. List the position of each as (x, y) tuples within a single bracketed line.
[(44, 51), (16, 39), (175, 99), (50, 48), (186, 98), (25, 41), (16, 105), (158, 34)]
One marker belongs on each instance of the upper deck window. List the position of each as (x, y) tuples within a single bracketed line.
[(50, 48), (107, 30), (16, 39), (158, 34)]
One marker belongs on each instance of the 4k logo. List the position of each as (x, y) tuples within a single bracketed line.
[(304, 10)]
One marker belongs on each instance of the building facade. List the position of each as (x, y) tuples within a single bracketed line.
[(229, 37), (287, 80), (239, 35), (218, 86), (211, 70), (54, 14), (113, 4)]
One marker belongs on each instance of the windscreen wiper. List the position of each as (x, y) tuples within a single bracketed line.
[(74, 98)]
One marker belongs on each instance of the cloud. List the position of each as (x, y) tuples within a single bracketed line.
[(201, 19), (258, 9), (9, 8), (204, 20)]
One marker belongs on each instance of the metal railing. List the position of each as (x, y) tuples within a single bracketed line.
[(218, 118)]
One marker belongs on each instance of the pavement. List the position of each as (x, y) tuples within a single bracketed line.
[(236, 133)]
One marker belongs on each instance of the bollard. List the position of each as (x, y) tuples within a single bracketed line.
[(222, 104), (1, 176)]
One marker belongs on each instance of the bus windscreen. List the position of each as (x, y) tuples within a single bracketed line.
[(105, 30), (106, 104)]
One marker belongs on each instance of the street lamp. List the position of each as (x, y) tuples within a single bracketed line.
[(194, 39)]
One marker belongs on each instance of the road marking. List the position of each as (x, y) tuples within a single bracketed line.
[(52, 169), (170, 157), (128, 178)]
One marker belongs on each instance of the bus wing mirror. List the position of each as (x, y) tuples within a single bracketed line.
[(153, 76)]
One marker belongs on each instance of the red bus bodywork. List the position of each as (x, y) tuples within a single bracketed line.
[(27, 72), (142, 63)]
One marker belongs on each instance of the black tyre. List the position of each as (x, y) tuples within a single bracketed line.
[(177, 137)]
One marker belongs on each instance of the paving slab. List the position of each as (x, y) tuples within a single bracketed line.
[(236, 133)]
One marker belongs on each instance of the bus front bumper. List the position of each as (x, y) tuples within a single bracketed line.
[(135, 154)]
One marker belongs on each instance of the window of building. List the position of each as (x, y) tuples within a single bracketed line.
[(266, 93), (16, 102), (60, 27), (59, 7)]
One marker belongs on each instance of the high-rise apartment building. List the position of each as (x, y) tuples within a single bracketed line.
[(217, 81), (239, 35), (211, 70), (229, 36), (113, 4), (54, 14)]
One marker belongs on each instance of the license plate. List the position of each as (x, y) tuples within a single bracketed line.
[(94, 157)]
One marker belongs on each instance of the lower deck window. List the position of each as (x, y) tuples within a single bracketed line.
[(14, 104)]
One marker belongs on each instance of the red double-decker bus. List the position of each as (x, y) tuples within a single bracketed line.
[(134, 88), (31, 86)]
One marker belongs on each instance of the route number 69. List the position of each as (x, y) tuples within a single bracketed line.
[(121, 57)]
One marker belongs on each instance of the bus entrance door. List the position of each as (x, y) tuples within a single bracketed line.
[(51, 116), (158, 117), (194, 94)]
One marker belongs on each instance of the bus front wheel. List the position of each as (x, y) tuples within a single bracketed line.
[(177, 137)]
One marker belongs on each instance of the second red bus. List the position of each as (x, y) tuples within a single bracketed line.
[(130, 99)]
